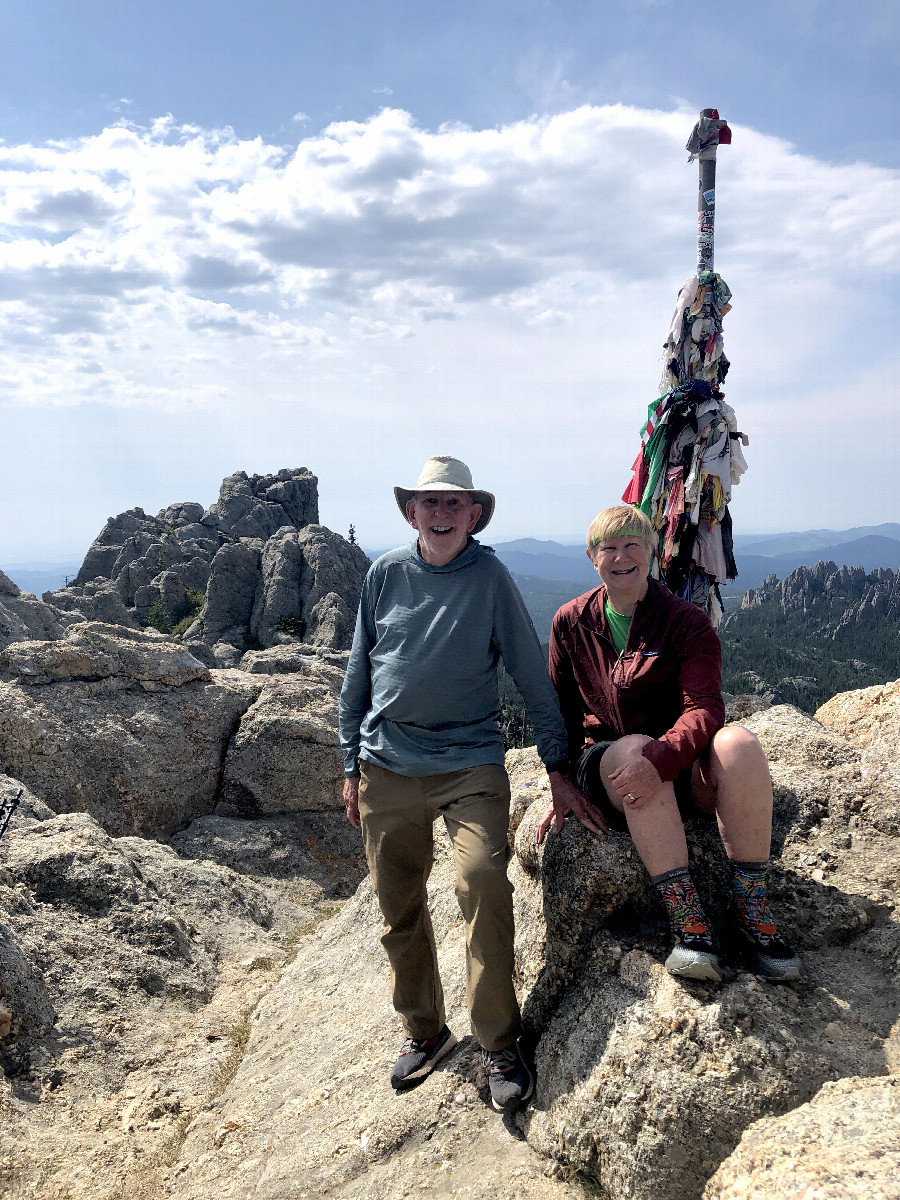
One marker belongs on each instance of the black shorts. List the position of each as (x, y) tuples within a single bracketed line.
[(587, 776)]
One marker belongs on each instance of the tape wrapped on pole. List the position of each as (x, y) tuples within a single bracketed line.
[(708, 134)]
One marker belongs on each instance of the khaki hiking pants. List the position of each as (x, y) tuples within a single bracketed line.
[(397, 815)]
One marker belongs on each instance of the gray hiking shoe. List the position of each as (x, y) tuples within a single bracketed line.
[(509, 1079), (771, 957), (418, 1058), (694, 958)]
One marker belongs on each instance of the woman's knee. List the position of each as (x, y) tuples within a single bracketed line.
[(622, 751), (736, 747), (737, 769)]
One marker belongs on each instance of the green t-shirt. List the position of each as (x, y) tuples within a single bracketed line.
[(618, 626)]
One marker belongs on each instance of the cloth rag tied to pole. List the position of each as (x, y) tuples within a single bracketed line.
[(691, 448)]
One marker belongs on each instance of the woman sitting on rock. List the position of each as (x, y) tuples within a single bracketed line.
[(638, 673)]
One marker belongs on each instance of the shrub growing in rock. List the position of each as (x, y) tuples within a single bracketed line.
[(157, 617)]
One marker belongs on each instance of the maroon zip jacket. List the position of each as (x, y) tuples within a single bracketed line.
[(666, 684)]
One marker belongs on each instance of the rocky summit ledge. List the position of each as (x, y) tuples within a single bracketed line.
[(91, 651), (134, 730), (645, 1085), (203, 1011)]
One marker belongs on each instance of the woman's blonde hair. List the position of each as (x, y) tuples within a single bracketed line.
[(618, 521)]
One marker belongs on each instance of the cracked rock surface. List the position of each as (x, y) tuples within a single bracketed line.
[(843, 1145), (131, 728), (123, 725), (207, 1015), (310, 1111), (130, 968)]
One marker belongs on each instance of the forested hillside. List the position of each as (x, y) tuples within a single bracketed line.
[(822, 630)]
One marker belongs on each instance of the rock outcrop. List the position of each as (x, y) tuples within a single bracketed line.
[(817, 632), (833, 599), (159, 1030), (843, 1145), (24, 618), (254, 569), (130, 970), (284, 756), (133, 729), (870, 719), (123, 725)]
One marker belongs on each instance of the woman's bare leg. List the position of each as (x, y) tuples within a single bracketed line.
[(734, 784), (733, 781), (656, 827), (658, 833)]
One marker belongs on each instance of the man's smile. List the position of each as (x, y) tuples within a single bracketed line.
[(444, 521)]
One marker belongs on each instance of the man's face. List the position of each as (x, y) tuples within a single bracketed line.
[(444, 521)]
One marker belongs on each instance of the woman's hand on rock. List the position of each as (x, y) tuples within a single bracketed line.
[(566, 797)]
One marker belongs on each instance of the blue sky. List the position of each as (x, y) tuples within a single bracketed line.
[(349, 235)]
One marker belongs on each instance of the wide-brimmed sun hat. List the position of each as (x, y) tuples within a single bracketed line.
[(443, 473)]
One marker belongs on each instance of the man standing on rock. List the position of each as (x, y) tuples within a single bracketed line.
[(421, 739)]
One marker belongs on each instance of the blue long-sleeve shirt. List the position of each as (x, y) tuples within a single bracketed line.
[(420, 694)]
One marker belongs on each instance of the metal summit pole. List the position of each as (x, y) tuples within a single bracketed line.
[(709, 133), (690, 444)]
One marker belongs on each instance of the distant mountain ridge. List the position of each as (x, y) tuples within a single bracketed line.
[(39, 577), (869, 551), (550, 573), (822, 630), (773, 545), (545, 597), (549, 565), (869, 547)]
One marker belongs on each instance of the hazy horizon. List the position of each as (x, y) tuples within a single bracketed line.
[(349, 237), (571, 542)]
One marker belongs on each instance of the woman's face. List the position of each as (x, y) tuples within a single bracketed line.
[(623, 562)]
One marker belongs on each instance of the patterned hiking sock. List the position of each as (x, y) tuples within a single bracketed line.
[(749, 886), (685, 912), (771, 955)]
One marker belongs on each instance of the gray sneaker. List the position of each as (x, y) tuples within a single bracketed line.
[(510, 1081), (771, 957), (694, 958), (418, 1058)]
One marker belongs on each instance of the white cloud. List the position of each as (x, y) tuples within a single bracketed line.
[(516, 278), (299, 116)]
